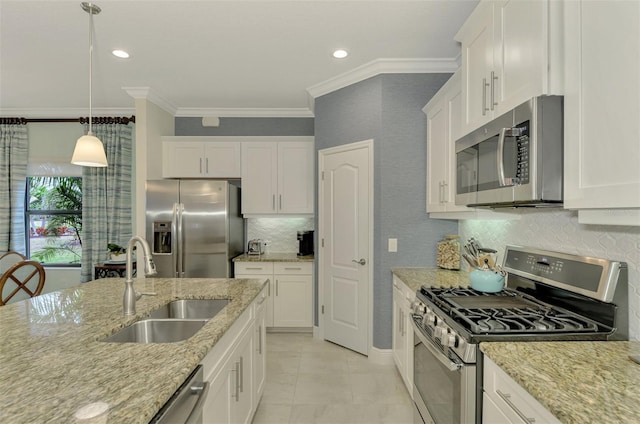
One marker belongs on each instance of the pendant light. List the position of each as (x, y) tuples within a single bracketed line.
[(89, 150)]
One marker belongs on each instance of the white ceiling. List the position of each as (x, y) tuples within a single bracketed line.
[(202, 57)]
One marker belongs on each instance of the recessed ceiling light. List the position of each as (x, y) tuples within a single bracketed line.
[(340, 54), (121, 54)]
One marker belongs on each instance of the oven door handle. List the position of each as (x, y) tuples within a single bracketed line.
[(444, 359)]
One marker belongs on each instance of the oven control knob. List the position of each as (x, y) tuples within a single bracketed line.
[(430, 318), (440, 333), (451, 340), (418, 307)]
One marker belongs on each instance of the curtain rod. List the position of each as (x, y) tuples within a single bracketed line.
[(81, 120)]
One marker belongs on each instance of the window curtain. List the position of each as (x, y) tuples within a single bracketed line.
[(14, 155), (106, 197)]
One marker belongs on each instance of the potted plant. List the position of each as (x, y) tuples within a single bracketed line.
[(116, 252)]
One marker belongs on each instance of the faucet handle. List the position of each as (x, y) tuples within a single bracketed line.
[(140, 294)]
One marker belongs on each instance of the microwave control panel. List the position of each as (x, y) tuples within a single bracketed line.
[(522, 153)]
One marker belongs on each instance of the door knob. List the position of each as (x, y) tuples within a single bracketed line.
[(362, 261)]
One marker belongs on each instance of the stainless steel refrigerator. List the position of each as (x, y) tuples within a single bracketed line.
[(195, 227)]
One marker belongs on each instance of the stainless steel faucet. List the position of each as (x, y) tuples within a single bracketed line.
[(130, 295)]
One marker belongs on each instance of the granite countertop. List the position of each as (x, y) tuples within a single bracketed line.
[(53, 362), (273, 257), (414, 278), (579, 382)]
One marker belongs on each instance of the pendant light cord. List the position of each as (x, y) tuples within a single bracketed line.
[(90, 64)]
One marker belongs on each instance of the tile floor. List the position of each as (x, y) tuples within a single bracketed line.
[(313, 381)]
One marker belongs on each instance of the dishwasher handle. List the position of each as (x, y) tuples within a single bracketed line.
[(179, 407), (195, 417)]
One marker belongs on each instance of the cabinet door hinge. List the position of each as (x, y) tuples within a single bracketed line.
[(322, 309), (322, 175), (322, 242)]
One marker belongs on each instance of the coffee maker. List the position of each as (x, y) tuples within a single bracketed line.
[(305, 243)]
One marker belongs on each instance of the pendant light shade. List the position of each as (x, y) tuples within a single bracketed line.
[(89, 150)]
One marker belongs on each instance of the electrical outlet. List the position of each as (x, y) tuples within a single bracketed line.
[(393, 245)]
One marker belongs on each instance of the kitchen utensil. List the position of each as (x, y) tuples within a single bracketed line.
[(486, 281), (470, 260), (486, 261)]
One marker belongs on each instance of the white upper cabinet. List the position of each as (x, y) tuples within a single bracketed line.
[(200, 157), (277, 176), (443, 128), (602, 111), (511, 51)]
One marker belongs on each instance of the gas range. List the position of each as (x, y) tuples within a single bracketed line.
[(549, 296)]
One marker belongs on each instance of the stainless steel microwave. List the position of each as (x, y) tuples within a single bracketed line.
[(515, 160)]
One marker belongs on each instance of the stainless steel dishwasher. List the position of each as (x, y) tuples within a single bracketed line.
[(185, 406)]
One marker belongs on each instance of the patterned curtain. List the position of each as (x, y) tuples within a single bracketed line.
[(106, 197), (14, 155)]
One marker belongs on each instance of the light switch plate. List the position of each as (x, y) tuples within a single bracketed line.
[(393, 245)]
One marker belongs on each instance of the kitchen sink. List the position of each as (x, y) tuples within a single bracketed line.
[(190, 309), (158, 331)]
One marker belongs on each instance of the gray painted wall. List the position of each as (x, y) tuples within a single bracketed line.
[(388, 109), (246, 127)]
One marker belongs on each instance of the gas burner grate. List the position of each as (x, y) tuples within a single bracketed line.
[(522, 320)]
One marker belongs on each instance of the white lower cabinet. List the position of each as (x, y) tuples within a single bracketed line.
[(505, 401), (259, 342), (402, 334), (289, 302), (232, 368), (262, 270)]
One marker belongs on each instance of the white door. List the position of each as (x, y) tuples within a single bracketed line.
[(346, 220)]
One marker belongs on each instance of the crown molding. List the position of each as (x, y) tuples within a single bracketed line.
[(148, 94), (64, 113), (245, 112), (382, 66)]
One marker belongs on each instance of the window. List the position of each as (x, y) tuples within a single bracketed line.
[(54, 220)]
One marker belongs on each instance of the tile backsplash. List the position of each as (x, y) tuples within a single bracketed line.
[(559, 230), (280, 234)]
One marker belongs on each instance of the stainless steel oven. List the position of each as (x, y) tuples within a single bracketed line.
[(444, 386), (549, 296)]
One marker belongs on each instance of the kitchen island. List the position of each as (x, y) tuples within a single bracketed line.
[(53, 361)]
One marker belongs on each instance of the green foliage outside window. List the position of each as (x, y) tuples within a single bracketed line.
[(54, 219)]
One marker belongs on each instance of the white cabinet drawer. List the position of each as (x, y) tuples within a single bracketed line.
[(296, 268), (513, 400), (253, 268)]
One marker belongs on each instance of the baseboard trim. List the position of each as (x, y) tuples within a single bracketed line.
[(381, 356), (289, 330)]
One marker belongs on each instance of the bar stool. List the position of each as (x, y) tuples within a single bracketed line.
[(8, 259), (28, 278)]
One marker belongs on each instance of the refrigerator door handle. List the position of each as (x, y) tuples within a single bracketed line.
[(180, 241), (174, 239)]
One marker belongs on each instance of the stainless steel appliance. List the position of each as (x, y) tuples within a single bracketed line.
[(515, 160), (254, 247), (305, 243), (548, 296), (185, 406), (195, 227)]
